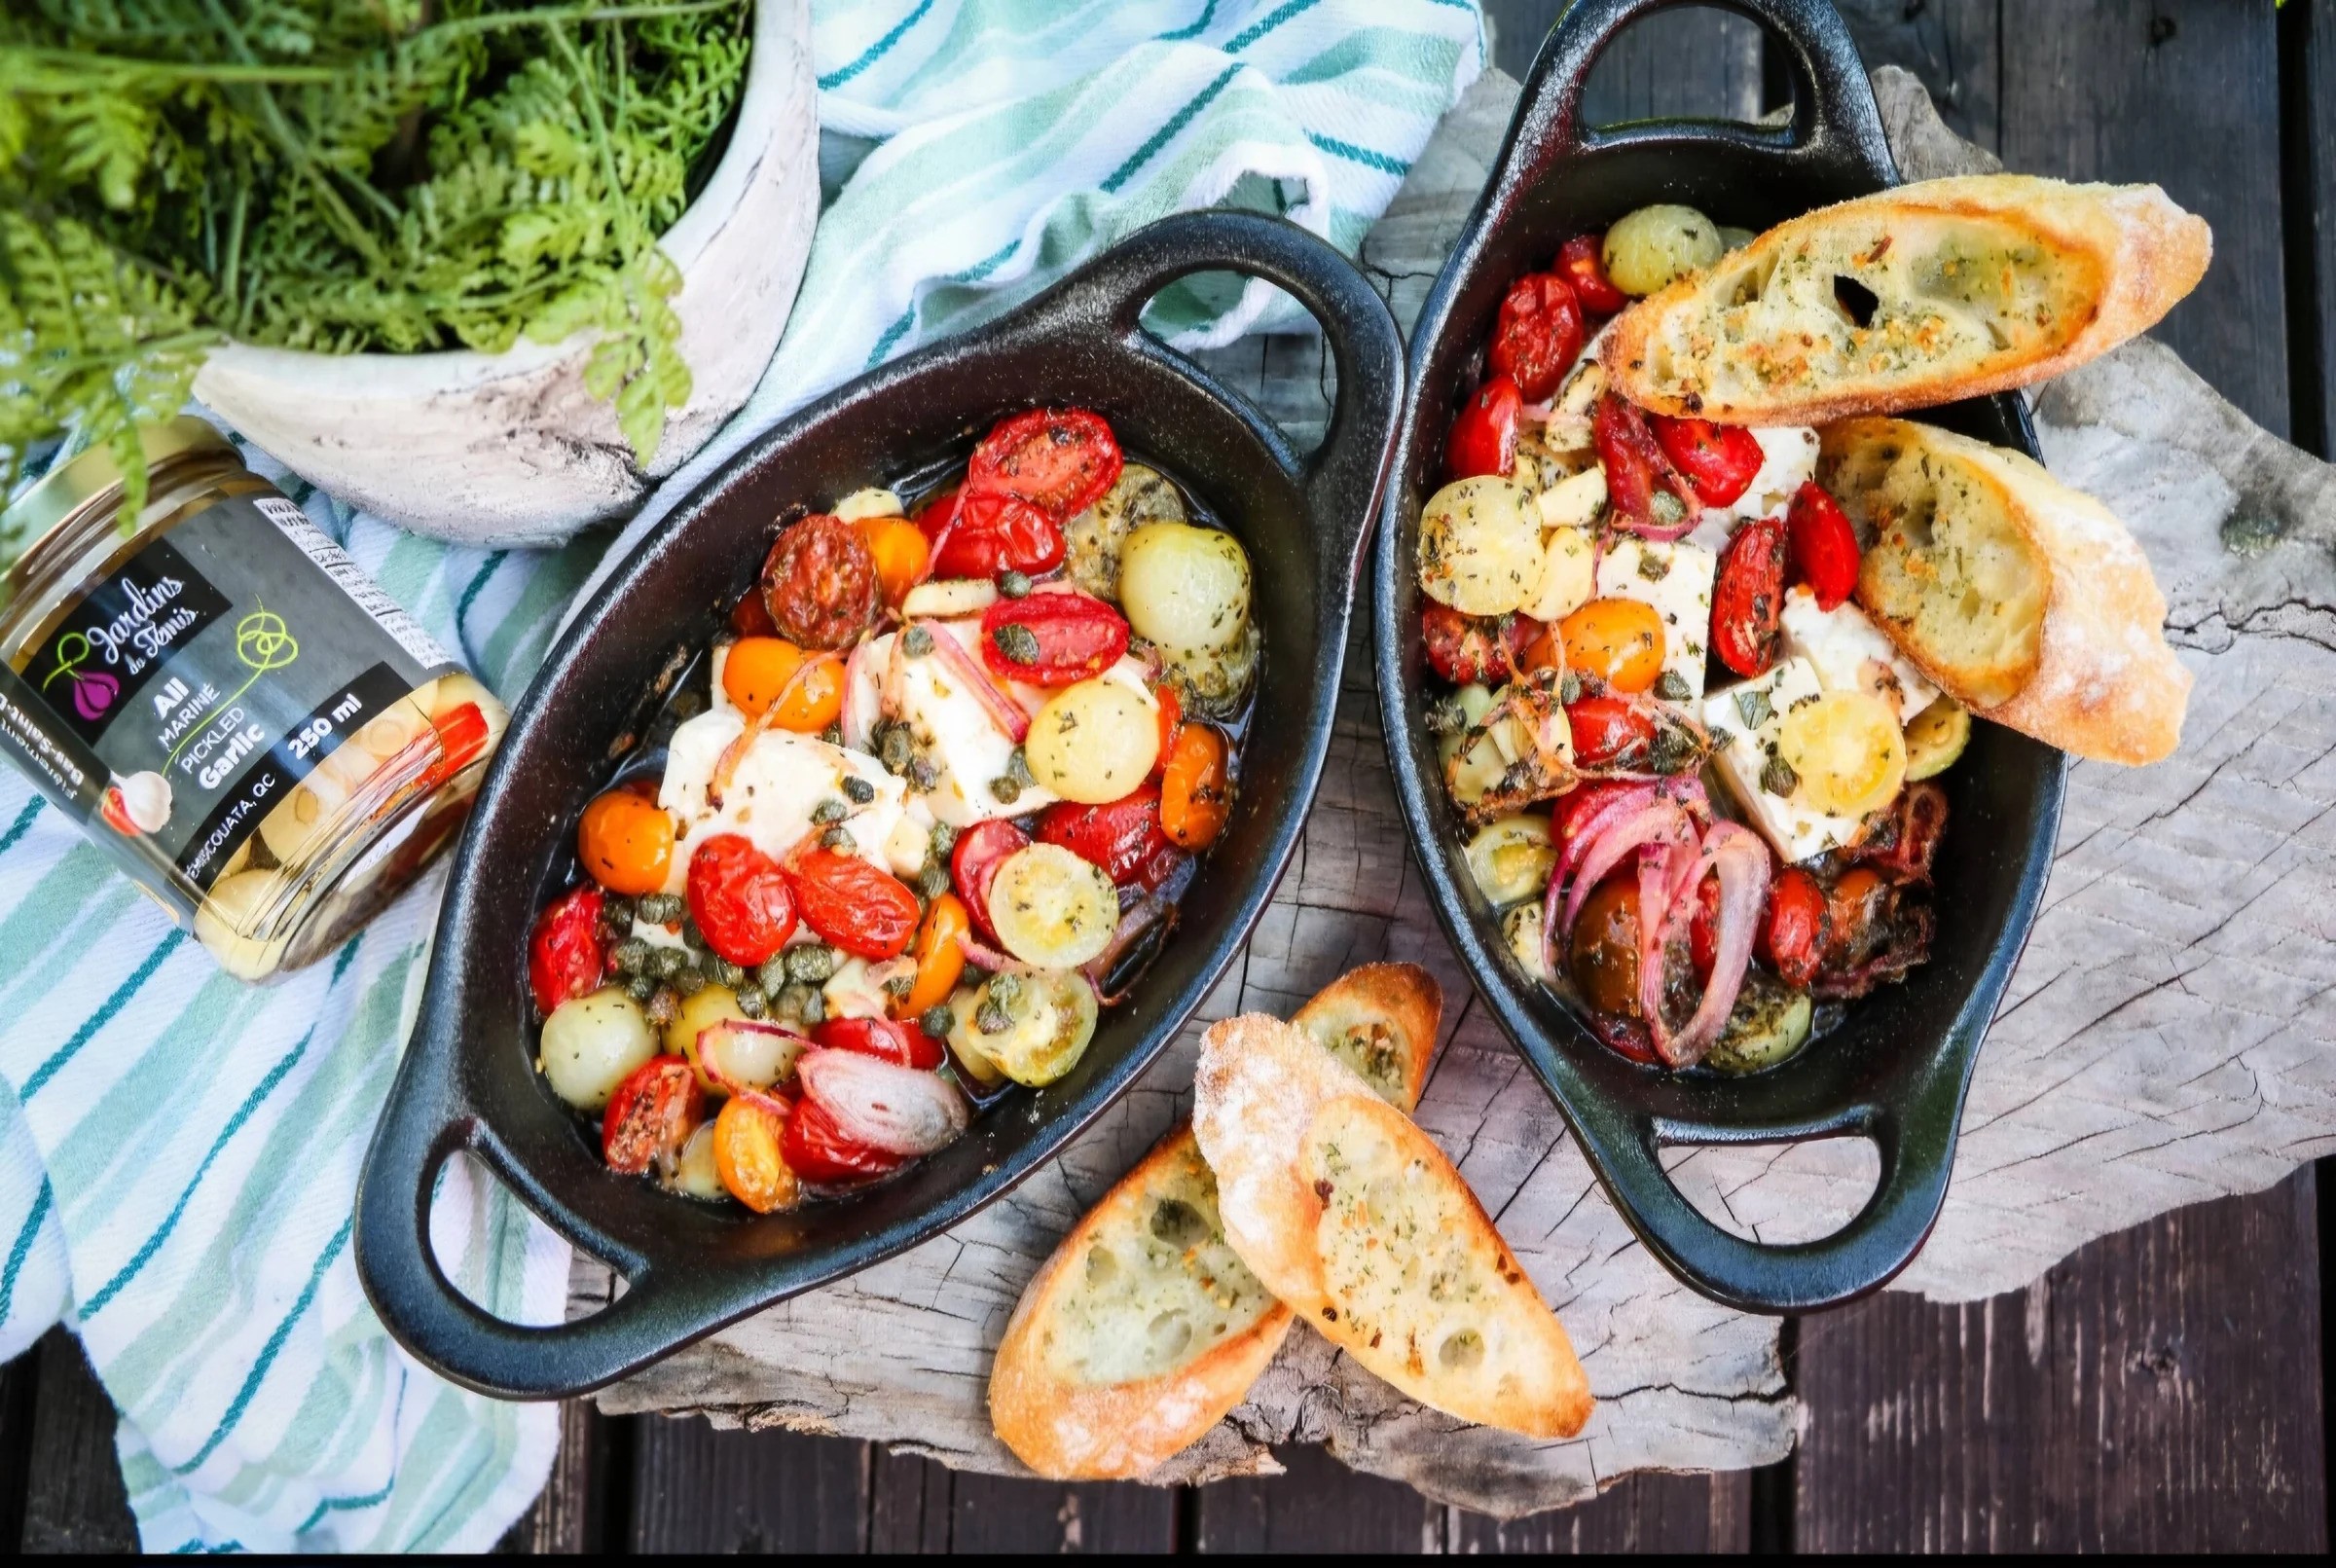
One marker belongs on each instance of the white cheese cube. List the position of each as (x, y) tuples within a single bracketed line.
[(1850, 653), (1747, 748), (952, 727), (773, 789), (1789, 457), (1676, 580), (857, 988)]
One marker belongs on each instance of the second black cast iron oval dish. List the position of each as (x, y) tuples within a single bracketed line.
[(469, 1082), (1897, 1070)]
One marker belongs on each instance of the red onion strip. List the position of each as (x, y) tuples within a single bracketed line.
[(1742, 860), (1625, 803), (990, 959), (1140, 915), (710, 1037), (1003, 710), (887, 1107), (1657, 821)]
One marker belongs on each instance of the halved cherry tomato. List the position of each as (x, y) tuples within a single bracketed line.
[(626, 842), (1719, 460), (897, 1040), (1172, 719), (1824, 545), (565, 958), (1119, 838), (818, 1151), (1574, 810), (461, 737), (1583, 261), (750, 1157), (1537, 335), (752, 617), (651, 1114), (939, 959), (1483, 438), (1605, 728), (807, 687), (1197, 793), (1704, 928), (1747, 601), (1857, 910), (818, 582), (900, 554), (1060, 460), (740, 898), (853, 904), (1641, 485), (1052, 639), (1465, 648), (973, 865), (1617, 640), (1603, 953), (980, 535), (1792, 939)]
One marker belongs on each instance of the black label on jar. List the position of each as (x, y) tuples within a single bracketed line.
[(209, 674)]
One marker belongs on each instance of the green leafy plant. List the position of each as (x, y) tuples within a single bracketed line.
[(340, 176)]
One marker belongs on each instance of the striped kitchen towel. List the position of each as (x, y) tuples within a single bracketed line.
[(178, 1153)]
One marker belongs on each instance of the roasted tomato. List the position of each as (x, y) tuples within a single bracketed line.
[(902, 557), (817, 1152), (1538, 334), (1703, 930), (1196, 788), (1747, 602), (1903, 840), (819, 583), (1118, 837), (566, 957), (897, 1040), (1603, 953), (1052, 639), (859, 907), (1824, 545), (1583, 261), (1792, 939), (626, 842), (1641, 485), (1617, 640), (1606, 729), (973, 866), (939, 957), (1719, 460), (1465, 648), (980, 535), (801, 691), (1575, 808), (749, 1139), (1060, 460), (1484, 439), (740, 898), (651, 1114)]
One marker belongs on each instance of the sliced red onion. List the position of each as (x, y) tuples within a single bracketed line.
[(1658, 870), (893, 1108), (857, 723), (1623, 803), (1138, 918), (1657, 821), (1658, 532), (1003, 710), (990, 959), (1742, 860)]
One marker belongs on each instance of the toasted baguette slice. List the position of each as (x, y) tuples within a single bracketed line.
[(1352, 1216), (1910, 298), (1143, 1329), (2024, 600)]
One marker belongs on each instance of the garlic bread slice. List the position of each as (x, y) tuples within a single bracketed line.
[(1379, 1020)]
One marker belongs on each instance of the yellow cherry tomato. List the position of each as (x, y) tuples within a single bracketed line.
[(626, 841), (1619, 640), (759, 670), (939, 957), (1846, 752), (747, 1156), (901, 553)]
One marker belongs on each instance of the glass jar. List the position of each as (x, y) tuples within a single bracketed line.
[(263, 740)]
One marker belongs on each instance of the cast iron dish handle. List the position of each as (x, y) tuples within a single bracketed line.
[(422, 1130)]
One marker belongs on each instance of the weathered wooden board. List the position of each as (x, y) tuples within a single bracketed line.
[(2091, 1112)]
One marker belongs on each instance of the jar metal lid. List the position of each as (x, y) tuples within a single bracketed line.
[(70, 485)]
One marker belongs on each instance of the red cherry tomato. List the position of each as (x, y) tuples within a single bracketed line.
[(651, 1114), (1583, 261), (859, 907), (818, 583), (1575, 809), (564, 956), (1071, 637), (1606, 728), (1060, 460), (973, 866), (1747, 600), (1641, 485), (1824, 545), (980, 535), (1119, 837), (1792, 939), (739, 899), (1538, 334), (1484, 439), (1703, 929), (1466, 649), (896, 1041), (1719, 460), (815, 1150), (1163, 863)]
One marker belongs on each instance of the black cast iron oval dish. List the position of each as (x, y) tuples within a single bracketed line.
[(468, 1081), (1896, 1071)]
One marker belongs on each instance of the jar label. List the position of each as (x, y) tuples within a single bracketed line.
[(207, 675)]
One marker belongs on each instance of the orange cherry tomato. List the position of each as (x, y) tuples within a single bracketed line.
[(1195, 794), (809, 688), (901, 553), (1619, 640), (1547, 651), (626, 842), (748, 1157), (939, 960)]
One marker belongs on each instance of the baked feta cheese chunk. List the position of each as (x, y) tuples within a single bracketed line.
[(1676, 580), (1746, 722), (773, 790), (1788, 460), (1850, 653), (951, 728)]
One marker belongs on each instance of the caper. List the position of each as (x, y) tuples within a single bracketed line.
[(1569, 690), (829, 810), (689, 981), (805, 1003), (771, 972), (662, 908), (892, 749), (934, 880), (693, 938), (666, 962), (838, 839), (1006, 789), (1672, 686), (945, 839), (630, 955), (1013, 584), (640, 988), (937, 1020), (813, 962), (916, 642), (1778, 778), (1017, 768), (991, 1019), (923, 775), (727, 973), (1007, 990), (751, 1001), (858, 790), (616, 911), (899, 986), (1017, 642)]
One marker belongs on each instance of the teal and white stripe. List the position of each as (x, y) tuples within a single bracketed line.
[(178, 1151)]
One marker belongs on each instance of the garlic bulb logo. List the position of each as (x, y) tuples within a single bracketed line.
[(139, 804), (94, 690)]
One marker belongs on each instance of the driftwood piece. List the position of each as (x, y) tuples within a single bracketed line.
[(2163, 1041)]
